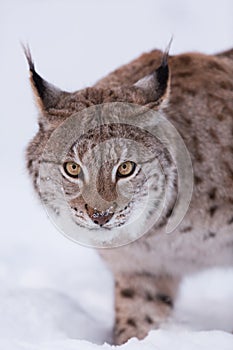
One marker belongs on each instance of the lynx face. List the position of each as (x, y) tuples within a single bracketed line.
[(112, 177), (108, 177), (115, 173)]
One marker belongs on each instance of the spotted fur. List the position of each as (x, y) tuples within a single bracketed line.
[(148, 271)]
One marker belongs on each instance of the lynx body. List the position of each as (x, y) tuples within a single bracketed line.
[(195, 93)]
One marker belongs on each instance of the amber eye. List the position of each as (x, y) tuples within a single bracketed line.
[(126, 169), (72, 169)]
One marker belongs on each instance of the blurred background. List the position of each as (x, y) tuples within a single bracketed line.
[(73, 43)]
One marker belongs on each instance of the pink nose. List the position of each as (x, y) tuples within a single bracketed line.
[(99, 217)]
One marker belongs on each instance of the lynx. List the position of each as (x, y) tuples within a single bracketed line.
[(194, 92)]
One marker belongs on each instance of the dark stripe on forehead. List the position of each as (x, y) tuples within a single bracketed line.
[(106, 132), (71, 153)]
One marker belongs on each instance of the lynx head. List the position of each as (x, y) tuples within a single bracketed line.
[(107, 171)]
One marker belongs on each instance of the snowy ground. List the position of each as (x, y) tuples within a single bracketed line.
[(52, 291)]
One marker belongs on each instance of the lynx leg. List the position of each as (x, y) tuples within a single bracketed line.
[(142, 303)]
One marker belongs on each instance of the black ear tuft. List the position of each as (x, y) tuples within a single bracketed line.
[(28, 55), (162, 73), (37, 81), (162, 76), (166, 53), (156, 85), (46, 94)]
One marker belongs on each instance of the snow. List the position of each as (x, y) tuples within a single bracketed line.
[(55, 294), (53, 313), (156, 340), (205, 301)]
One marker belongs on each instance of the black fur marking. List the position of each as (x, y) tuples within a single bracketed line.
[(210, 234), (149, 296), (230, 221), (148, 319), (38, 82), (197, 180), (164, 299), (212, 193), (162, 75), (169, 212), (28, 55), (29, 163), (131, 322), (212, 210), (127, 293)]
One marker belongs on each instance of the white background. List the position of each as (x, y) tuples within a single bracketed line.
[(74, 43)]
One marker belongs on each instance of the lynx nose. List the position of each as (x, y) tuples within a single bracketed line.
[(99, 217)]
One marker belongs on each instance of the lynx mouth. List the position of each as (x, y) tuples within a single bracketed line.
[(96, 227), (99, 217)]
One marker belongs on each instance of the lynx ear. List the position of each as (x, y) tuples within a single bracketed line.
[(45, 93), (156, 85)]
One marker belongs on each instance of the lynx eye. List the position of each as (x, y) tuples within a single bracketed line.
[(126, 169), (72, 169)]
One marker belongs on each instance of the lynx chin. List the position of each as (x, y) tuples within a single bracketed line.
[(144, 132)]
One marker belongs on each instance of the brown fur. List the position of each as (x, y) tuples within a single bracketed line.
[(148, 271)]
